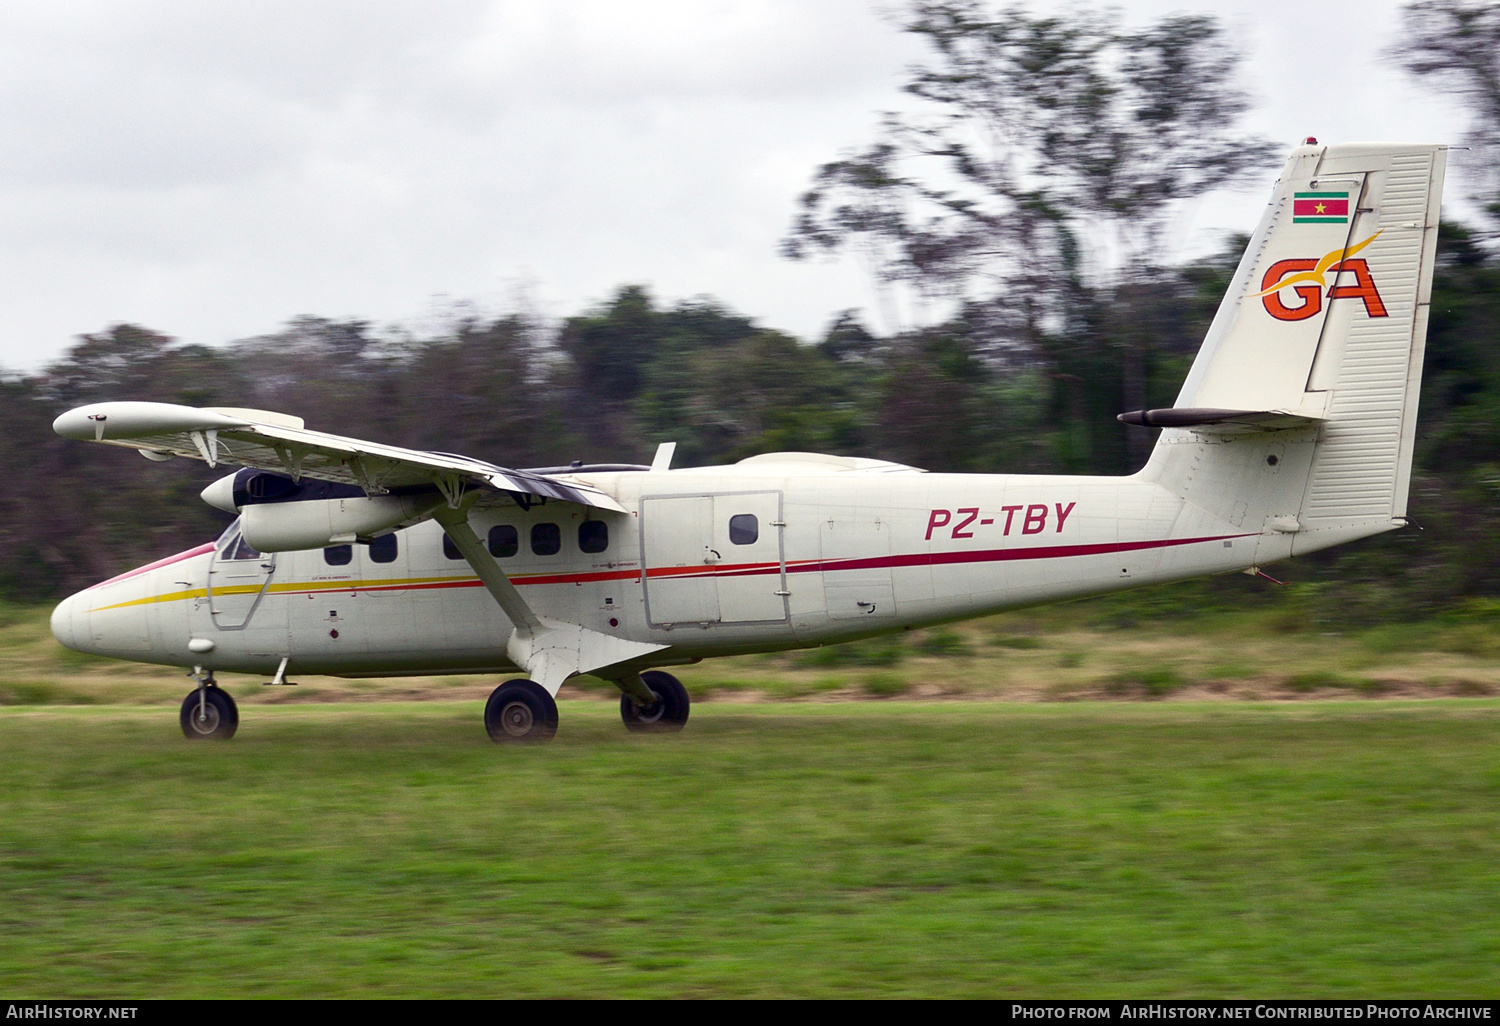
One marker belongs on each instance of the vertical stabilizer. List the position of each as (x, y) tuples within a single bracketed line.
[(1325, 325)]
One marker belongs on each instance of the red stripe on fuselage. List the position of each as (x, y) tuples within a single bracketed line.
[(928, 558), (794, 567), (1001, 555), (168, 561)]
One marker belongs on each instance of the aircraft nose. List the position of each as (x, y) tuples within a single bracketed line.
[(66, 627)]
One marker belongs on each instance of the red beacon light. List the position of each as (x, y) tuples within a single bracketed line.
[(1311, 140)]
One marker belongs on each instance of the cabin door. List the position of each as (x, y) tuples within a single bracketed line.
[(751, 563), (237, 580), (713, 559), (677, 560)]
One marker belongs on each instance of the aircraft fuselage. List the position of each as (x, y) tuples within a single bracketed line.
[(707, 562)]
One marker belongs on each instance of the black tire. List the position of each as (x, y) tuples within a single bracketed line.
[(520, 711), (666, 715), (219, 720)]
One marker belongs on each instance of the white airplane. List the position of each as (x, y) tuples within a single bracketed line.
[(1292, 432)]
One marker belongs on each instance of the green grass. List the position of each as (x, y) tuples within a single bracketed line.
[(1148, 681), (806, 845), (885, 651), (879, 848)]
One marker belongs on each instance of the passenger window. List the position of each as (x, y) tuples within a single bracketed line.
[(504, 542), (450, 550), (593, 536), (338, 555), (546, 539), (744, 529), (383, 549)]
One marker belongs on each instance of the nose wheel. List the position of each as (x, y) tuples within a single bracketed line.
[(667, 713), (208, 713)]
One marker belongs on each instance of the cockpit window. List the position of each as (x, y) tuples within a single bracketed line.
[(242, 550), (233, 546)]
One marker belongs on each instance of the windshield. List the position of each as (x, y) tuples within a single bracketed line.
[(231, 546)]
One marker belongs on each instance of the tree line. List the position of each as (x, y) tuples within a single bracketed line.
[(607, 385), (1027, 191), (604, 386)]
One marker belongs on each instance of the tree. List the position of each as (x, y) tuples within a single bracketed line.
[(847, 339), (1039, 172), (333, 374), (486, 392), (72, 514), (610, 346), (1456, 45), (767, 392)]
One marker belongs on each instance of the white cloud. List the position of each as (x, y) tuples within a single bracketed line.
[(211, 170)]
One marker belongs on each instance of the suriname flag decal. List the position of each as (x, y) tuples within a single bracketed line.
[(1320, 208)]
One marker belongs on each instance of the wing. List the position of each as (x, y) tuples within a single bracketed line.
[(279, 443)]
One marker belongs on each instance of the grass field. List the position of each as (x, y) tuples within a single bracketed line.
[(1150, 795), (958, 848)]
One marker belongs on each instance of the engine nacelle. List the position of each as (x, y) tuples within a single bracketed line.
[(317, 523), (278, 514)]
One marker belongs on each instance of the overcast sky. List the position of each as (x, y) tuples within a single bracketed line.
[(212, 170)]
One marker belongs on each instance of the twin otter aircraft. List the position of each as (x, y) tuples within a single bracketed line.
[(1293, 432)]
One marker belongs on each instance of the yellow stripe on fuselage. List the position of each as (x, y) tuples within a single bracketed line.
[(289, 587), (171, 596), (360, 584)]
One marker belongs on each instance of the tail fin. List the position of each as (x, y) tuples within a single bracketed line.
[(1320, 340)]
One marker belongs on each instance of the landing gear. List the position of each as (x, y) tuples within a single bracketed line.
[(666, 714), (520, 710), (209, 713)]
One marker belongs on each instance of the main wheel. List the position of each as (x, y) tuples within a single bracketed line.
[(520, 710), (668, 713), (209, 713)]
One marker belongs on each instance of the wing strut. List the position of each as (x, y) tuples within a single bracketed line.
[(548, 650), (456, 524)]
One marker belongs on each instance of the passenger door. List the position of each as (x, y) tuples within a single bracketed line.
[(713, 559), (752, 566), (678, 557)]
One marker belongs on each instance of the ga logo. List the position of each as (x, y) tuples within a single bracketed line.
[(1307, 279)]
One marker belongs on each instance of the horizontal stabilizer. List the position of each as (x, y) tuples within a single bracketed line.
[(1189, 417)]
